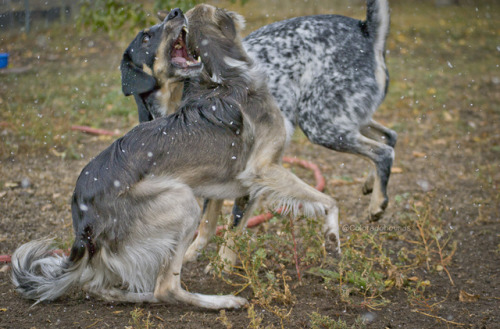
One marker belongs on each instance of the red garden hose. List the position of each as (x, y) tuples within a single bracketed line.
[(254, 221)]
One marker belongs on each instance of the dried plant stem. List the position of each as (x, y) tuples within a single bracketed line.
[(439, 318), (295, 254)]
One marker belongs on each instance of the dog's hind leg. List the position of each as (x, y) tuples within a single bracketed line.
[(380, 133), (124, 296), (206, 230), (168, 284), (226, 252), (381, 155)]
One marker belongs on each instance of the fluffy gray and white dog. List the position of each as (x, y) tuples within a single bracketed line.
[(134, 207)]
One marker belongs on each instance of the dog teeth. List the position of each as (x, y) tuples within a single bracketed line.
[(177, 46), (185, 29), (199, 59)]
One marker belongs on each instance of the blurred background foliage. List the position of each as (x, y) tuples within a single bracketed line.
[(117, 15), (442, 58)]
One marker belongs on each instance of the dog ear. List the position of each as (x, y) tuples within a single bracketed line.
[(134, 80), (230, 23), (162, 14), (142, 109), (239, 21)]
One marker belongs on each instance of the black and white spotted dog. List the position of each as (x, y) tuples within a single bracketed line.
[(328, 75)]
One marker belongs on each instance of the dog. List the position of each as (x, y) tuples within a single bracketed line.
[(134, 206), (328, 76), (154, 90)]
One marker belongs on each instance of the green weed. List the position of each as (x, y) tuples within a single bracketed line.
[(318, 321)]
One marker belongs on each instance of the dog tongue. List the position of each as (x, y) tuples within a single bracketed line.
[(179, 60)]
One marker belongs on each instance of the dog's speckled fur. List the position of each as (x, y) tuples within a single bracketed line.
[(328, 76)]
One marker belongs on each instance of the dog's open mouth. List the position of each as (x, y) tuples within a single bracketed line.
[(180, 56)]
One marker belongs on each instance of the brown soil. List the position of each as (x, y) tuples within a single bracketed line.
[(41, 208)]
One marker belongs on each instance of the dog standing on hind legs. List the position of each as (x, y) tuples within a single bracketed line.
[(134, 206), (328, 76)]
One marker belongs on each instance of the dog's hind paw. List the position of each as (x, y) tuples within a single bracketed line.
[(377, 214), (368, 184), (190, 256), (375, 217), (332, 244), (367, 188)]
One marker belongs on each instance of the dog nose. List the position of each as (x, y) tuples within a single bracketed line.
[(174, 13)]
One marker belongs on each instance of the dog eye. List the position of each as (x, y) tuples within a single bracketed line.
[(145, 38)]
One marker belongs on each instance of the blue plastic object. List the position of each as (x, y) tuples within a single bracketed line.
[(4, 60)]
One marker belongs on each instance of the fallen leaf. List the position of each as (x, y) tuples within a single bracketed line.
[(417, 154), (439, 268), (104, 138), (419, 204), (439, 141), (447, 116), (117, 312), (46, 207), (57, 154), (11, 184), (413, 278), (396, 170), (3, 310), (477, 139), (426, 283), (465, 297), (3, 193)]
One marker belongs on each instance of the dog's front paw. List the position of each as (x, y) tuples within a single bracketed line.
[(237, 302), (226, 301)]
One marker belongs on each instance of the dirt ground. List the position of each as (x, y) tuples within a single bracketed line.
[(41, 208), (447, 170)]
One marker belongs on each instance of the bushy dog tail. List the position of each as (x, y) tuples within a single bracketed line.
[(377, 26), (39, 274), (377, 22)]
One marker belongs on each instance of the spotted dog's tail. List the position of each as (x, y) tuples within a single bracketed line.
[(377, 21), (377, 26), (40, 275)]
